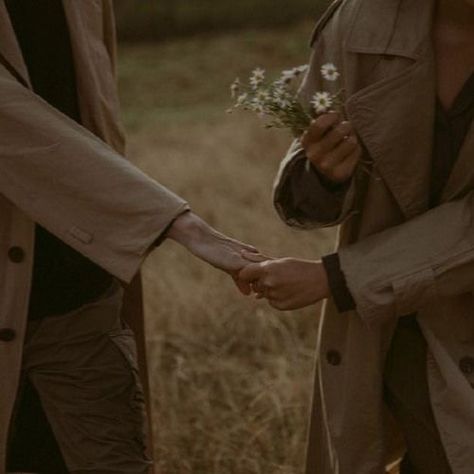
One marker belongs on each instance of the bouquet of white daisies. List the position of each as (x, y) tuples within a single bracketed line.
[(278, 101)]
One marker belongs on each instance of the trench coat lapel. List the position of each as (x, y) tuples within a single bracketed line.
[(10, 52), (461, 179), (383, 112)]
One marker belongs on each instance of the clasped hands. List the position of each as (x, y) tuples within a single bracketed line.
[(287, 283), (333, 149)]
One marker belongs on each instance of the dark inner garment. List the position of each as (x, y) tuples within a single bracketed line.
[(63, 279)]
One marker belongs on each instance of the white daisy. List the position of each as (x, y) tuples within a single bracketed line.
[(302, 69), (329, 72), (322, 102), (257, 77), (290, 74), (262, 96), (283, 103), (242, 99), (282, 98), (257, 106), (287, 76)]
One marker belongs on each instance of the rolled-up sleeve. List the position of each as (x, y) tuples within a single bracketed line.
[(303, 199)]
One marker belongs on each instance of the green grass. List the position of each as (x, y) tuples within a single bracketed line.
[(192, 75)]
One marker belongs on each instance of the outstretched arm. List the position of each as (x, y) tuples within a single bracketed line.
[(73, 184), (211, 246)]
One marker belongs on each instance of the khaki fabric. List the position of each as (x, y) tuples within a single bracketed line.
[(71, 179), (398, 256), (84, 368)]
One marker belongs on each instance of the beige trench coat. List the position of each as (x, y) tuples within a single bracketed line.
[(75, 184), (398, 256)]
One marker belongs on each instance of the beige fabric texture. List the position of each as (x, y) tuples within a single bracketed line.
[(84, 367), (71, 179), (398, 256)]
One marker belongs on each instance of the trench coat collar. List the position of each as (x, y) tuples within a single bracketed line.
[(395, 116), (10, 52)]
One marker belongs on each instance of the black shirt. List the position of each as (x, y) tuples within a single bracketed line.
[(63, 279)]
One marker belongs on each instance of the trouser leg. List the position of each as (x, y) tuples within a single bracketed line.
[(32, 446), (407, 395), (84, 369)]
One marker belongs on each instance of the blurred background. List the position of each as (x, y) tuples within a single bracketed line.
[(161, 19), (231, 377)]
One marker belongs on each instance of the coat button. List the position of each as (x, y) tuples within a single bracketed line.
[(7, 335), (466, 364), (16, 254), (334, 358)]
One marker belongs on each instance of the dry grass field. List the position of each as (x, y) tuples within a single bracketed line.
[(231, 377)]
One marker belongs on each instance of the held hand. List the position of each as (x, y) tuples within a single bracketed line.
[(332, 147), (216, 249), (287, 283)]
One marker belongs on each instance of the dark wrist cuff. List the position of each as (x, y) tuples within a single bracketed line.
[(337, 283)]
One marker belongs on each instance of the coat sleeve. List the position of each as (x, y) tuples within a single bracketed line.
[(303, 200), (300, 197), (402, 269), (69, 181)]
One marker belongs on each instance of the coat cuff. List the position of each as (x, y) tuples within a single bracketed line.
[(304, 199), (337, 283), (162, 237)]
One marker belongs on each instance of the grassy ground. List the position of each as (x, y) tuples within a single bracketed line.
[(231, 378)]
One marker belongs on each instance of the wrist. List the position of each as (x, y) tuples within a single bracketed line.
[(329, 182), (184, 227)]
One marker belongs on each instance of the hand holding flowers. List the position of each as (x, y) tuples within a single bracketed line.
[(328, 139), (279, 100), (332, 147)]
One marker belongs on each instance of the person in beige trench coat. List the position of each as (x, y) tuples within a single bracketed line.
[(399, 253), (73, 180)]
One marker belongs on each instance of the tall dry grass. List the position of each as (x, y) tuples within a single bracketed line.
[(231, 378)]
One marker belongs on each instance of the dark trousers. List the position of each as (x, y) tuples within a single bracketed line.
[(32, 442), (407, 396), (80, 382)]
